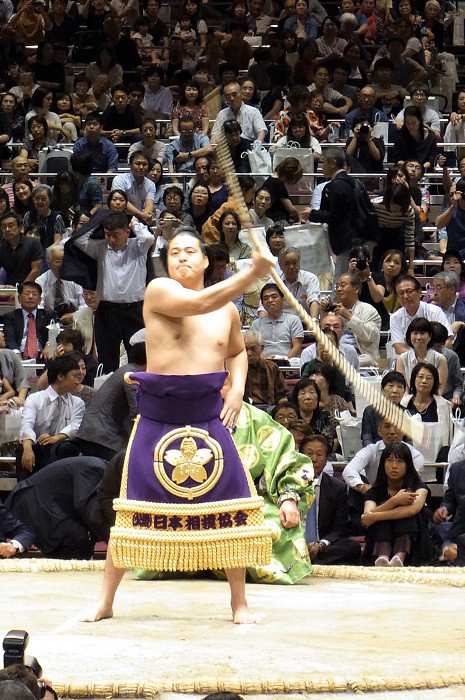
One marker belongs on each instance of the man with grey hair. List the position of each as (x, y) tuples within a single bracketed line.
[(303, 285), (59, 296), (445, 288), (249, 118), (337, 324), (265, 384)]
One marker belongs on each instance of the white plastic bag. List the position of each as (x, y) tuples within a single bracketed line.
[(100, 378), (260, 162), (305, 157), (10, 422), (349, 430), (432, 442)]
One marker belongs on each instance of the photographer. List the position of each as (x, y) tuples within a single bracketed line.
[(454, 218), (359, 265), (31, 22), (365, 153)]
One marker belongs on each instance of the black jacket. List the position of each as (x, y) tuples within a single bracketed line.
[(333, 511), (337, 204), (13, 328)]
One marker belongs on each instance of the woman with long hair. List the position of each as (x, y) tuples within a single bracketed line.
[(379, 288), (414, 141), (66, 195), (396, 528), (229, 226), (191, 105), (287, 172), (420, 338), (41, 101), (396, 223), (63, 106), (156, 175)]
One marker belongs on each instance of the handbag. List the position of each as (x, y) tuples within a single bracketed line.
[(349, 430), (260, 162)]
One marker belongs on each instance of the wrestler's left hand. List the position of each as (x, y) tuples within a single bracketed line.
[(231, 409), (289, 514)]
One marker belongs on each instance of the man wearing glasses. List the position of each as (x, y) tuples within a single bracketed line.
[(409, 291), (419, 94)]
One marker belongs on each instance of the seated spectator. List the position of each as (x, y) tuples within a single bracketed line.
[(393, 386), (127, 11), (306, 63), (236, 13), (335, 103), (149, 145), (327, 529), (406, 70), (365, 153), (302, 22), (20, 257), (335, 323), (191, 105), (38, 139), (48, 221), (334, 392), (396, 223), (453, 219), (340, 77), (210, 230), (20, 170), (157, 99), (393, 514), (49, 418), (48, 73), (419, 93), (217, 185), (445, 289), (64, 26), (303, 285), (363, 322), (353, 54), (452, 262), (261, 204), (199, 205), (414, 141), (139, 189), (22, 197), (83, 390), (179, 67), (90, 191), (454, 385), (275, 239), (41, 101), (104, 153), (229, 226), (420, 338), (95, 12), (25, 328), (107, 423), (249, 118), (455, 130), (100, 92), (409, 292), (59, 296), (84, 102), (330, 45), (282, 333), (425, 400), (365, 109), (126, 49), (20, 537), (299, 132), (105, 64), (182, 151), (144, 41), (306, 395), (374, 283), (12, 122), (30, 23), (367, 460), (238, 146), (82, 320), (449, 517), (173, 199), (285, 413), (265, 384), (120, 120), (419, 197), (249, 91), (259, 22), (389, 97), (287, 172), (190, 27), (26, 86), (63, 105)]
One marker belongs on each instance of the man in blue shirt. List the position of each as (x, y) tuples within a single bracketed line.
[(366, 100), (139, 189), (104, 153), (182, 152)]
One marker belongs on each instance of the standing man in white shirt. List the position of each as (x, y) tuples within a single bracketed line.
[(409, 291), (59, 296), (250, 119), (121, 282), (50, 417)]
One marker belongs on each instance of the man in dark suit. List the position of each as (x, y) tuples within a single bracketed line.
[(20, 536), (328, 542), (450, 516), (337, 202), (25, 329)]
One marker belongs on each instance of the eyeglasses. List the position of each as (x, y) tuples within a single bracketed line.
[(406, 292)]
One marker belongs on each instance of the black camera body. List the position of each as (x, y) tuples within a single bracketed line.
[(365, 129), (361, 264), (14, 648)]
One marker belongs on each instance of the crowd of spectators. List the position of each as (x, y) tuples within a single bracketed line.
[(118, 92)]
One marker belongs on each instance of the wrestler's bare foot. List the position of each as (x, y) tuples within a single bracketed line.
[(242, 614), (101, 612)]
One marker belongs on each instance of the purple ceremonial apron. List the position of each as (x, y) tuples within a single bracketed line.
[(187, 502)]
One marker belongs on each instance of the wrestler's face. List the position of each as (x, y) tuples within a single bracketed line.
[(185, 259)]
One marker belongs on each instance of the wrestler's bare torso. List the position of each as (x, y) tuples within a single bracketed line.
[(192, 344)]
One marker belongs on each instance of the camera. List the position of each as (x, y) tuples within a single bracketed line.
[(361, 264), (14, 647), (364, 129)]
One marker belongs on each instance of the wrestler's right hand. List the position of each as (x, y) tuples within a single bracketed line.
[(262, 262)]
